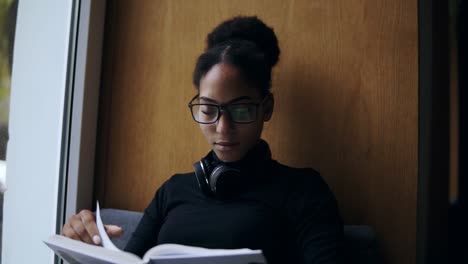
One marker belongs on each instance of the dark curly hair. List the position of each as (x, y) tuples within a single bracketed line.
[(246, 43)]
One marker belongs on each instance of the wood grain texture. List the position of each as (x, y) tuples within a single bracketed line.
[(346, 92)]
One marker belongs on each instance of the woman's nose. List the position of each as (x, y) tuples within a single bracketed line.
[(224, 123)]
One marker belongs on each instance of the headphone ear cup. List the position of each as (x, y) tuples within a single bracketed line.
[(224, 180), (217, 180), (200, 174)]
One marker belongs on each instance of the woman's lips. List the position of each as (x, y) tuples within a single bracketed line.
[(226, 145)]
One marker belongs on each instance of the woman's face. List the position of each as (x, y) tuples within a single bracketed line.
[(223, 84)]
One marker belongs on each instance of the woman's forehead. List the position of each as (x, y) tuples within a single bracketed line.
[(224, 82), (223, 96), (233, 100)]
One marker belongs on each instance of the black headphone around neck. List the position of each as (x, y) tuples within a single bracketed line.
[(222, 179)]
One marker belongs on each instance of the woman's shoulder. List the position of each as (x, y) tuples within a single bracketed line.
[(304, 188), (180, 179), (176, 185), (295, 173), (299, 178)]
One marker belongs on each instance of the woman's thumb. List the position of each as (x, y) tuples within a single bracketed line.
[(113, 230)]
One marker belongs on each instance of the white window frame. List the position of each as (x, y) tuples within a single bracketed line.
[(84, 115), (52, 125)]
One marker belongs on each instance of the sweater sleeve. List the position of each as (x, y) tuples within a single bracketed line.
[(146, 233), (315, 220)]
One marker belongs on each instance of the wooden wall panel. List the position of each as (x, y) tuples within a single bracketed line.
[(346, 94)]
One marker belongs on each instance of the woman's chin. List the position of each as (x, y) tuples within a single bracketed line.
[(228, 157)]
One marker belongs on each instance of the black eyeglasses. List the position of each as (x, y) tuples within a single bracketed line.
[(239, 113)]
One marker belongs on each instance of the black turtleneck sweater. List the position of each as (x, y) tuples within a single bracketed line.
[(289, 213)]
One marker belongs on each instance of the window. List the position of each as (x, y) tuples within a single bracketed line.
[(8, 10)]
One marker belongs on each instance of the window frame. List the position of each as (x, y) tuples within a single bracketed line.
[(52, 123)]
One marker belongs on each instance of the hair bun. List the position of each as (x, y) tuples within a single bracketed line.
[(248, 28)]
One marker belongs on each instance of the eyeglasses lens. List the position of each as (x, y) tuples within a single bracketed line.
[(205, 113), (242, 113), (238, 113)]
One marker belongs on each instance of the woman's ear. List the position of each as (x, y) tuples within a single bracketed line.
[(268, 107)]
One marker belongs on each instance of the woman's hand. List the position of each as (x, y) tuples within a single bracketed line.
[(82, 226)]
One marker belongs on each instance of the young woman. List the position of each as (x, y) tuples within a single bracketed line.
[(238, 196)]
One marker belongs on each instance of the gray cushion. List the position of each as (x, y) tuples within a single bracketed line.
[(128, 220), (360, 242)]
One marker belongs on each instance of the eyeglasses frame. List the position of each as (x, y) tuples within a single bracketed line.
[(221, 109)]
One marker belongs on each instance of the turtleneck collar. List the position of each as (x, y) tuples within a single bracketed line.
[(259, 154)]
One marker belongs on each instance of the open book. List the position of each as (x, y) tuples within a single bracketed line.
[(77, 252)]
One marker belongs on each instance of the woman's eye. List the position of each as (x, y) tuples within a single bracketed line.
[(208, 113), (208, 110), (241, 112)]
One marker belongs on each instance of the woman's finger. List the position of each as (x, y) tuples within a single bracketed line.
[(78, 227), (89, 222), (113, 230)]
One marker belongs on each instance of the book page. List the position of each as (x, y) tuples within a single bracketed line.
[(168, 253), (105, 240), (229, 259), (77, 252), (181, 250)]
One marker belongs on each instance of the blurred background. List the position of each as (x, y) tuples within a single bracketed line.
[(8, 10)]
